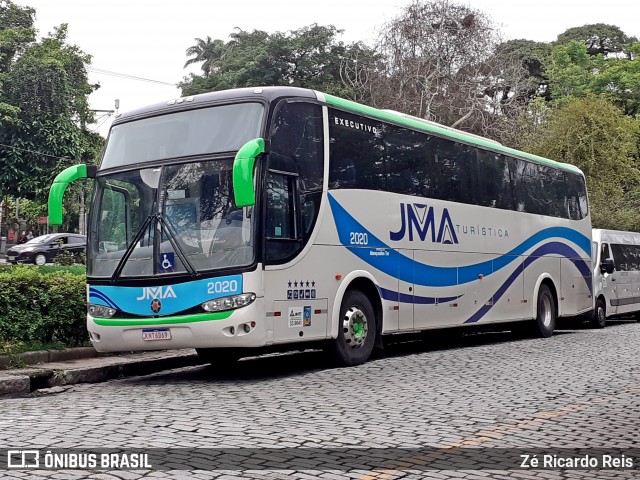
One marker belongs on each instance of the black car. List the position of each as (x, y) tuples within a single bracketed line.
[(43, 249)]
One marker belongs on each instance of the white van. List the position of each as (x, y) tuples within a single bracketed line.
[(616, 274)]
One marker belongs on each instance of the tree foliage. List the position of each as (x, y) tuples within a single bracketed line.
[(598, 38), (438, 61), (16, 31), (208, 52), (572, 72), (594, 135), (43, 105), (308, 57), (534, 58)]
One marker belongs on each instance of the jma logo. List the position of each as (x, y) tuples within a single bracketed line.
[(156, 292), (422, 219)]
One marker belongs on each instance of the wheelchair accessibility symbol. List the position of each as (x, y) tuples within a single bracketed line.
[(166, 262)]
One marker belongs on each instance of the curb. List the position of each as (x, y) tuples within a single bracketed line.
[(46, 356), (27, 380)]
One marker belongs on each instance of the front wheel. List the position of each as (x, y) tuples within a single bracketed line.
[(356, 331), (599, 317), (40, 259), (545, 321)]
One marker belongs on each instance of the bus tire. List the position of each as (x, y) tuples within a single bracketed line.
[(599, 317), (219, 357), (356, 331), (545, 321)]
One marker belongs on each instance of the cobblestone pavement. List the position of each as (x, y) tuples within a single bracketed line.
[(491, 393)]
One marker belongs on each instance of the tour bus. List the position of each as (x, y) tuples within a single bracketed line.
[(616, 274), (286, 218)]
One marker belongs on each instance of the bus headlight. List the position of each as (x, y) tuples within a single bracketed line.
[(101, 311), (228, 303)]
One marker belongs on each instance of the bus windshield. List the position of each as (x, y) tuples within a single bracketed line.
[(193, 132), (170, 219)]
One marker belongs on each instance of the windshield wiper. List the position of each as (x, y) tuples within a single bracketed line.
[(152, 221), (131, 247)]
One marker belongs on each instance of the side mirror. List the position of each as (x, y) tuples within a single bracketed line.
[(607, 265), (243, 188)]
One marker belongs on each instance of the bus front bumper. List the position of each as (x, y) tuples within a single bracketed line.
[(241, 328)]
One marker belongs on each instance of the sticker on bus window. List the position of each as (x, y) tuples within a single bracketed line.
[(176, 194), (166, 262)]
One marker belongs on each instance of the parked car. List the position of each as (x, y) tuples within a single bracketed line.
[(43, 249)]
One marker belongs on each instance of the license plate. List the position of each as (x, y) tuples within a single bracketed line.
[(156, 334), (11, 257)]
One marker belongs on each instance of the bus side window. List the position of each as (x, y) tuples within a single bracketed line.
[(343, 172), (356, 151)]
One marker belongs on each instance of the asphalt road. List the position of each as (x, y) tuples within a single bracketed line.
[(444, 407)]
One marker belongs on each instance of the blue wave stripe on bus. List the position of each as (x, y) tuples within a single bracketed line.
[(399, 266), (93, 293), (406, 298), (549, 248)]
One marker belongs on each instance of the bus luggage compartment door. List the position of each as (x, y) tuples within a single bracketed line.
[(300, 320)]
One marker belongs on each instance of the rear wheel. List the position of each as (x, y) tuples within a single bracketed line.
[(356, 331), (545, 321), (40, 259), (599, 317)]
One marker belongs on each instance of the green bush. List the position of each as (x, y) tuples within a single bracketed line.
[(39, 306), (65, 259), (75, 269)]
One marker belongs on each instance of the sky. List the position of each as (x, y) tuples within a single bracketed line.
[(147, 39)]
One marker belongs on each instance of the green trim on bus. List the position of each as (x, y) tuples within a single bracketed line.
[(243, 188), (457, 135), (60, 183), (179, 319)]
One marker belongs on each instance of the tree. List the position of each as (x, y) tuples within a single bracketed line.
[(308, 57), (207, 51), (534, 58), (572, 72), (47, 90), (438, 63), (620, 80), (594, 135), (16, 31), (43, 110), (598, 38)]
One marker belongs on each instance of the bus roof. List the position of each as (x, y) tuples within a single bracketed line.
[(273, 93), (616, 236), (211, 98)]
